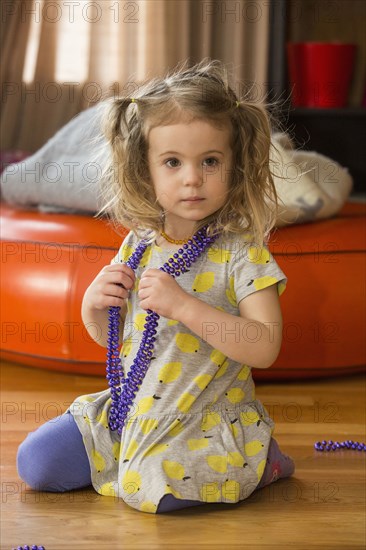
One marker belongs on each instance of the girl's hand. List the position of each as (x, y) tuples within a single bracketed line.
[(110, 287), (161, 293)]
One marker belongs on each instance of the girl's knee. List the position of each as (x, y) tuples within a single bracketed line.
[(31, 464), (53, 458)]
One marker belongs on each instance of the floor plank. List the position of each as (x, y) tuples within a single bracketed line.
[(322, 506)]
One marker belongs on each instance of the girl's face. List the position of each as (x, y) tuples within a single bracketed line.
[(190, 166)]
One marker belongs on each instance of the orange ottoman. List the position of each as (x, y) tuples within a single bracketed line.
[(48, 260)]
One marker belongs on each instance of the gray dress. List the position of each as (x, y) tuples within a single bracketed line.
[(196, 429)]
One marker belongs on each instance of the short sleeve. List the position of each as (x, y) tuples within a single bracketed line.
[(254, 268)]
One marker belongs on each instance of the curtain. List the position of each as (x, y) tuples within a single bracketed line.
[(62, 56)]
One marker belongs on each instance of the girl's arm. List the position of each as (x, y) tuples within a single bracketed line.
[(110, 288), (253, 338)]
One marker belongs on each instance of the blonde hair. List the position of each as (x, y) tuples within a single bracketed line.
[(201, 92)]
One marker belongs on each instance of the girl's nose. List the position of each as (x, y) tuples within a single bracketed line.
[(193, 175)]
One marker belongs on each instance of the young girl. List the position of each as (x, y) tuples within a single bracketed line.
[(196, 293)]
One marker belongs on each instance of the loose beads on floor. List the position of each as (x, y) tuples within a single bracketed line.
[(336, 445)]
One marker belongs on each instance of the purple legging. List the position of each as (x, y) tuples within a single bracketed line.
[(53, 458)]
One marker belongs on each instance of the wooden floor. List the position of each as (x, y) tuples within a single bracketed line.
[(321, 506)]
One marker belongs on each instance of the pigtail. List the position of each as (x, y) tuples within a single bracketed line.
[(259, 187), (115, 122), (114, 128), (128, 196), (253, 200)]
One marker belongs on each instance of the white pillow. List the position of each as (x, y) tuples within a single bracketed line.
[(64, 174)]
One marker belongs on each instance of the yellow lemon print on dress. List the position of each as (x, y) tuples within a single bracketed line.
[(125, 253), (174, 470), (185, 402), (210, 420), (127, 346), (214, 399), (83, 407), (139, 321), (148, 424), (187, 343), (98, 461), (145, 404), (146, 257), (156, 449), (217, 357), (131, 482), (102, 418), (235, 395), (222, 370), (263, 282), (258, 255), (198, 444), (171, 322), (203, 281), (248, 418), (219, 255), (260, 469), (130, 421), (244, 373), (217, 463), (176, 428), (131, 450), (149, 507), (230, 490), (253, 447), (230, 292), (210, 492), (107, 489), (170, 372), (236, 459), (202, 380), (116, 449)]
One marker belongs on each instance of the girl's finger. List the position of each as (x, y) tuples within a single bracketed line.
[(117, 291), (118, 278)]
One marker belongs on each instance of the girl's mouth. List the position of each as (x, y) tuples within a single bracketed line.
[(193, 199)]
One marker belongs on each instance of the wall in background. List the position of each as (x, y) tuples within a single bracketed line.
[(328, 21)]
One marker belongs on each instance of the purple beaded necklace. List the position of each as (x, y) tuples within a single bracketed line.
[(28, 547), (336, 445), (123, 390)]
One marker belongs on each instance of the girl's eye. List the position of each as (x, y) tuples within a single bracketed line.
[(211, 162), (172, 163)]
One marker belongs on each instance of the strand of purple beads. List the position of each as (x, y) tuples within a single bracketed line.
[(336, 445), (123, 390), (27, 547)]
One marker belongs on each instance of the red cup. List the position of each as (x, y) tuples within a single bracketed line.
[(320, 73)]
